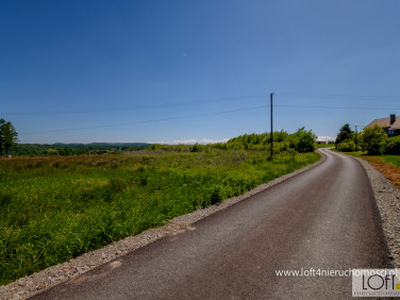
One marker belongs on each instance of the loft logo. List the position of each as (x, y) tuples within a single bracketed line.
[(375, 283)]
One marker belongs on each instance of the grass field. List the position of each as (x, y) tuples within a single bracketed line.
[(55, 208), (325, 145)]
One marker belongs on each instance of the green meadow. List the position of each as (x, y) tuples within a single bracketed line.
[(55, 208)]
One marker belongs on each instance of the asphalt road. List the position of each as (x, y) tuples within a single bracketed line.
[(324, 218)]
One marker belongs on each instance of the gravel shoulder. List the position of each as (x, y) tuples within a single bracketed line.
[(387, 198)]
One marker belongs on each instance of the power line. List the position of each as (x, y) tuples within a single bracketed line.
[(226, 99), (138, 107), (335, 107), (341, 97), (150, 121), (230, 99), (272, 125)]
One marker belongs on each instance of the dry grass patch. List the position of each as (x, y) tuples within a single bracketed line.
[(389, 170)]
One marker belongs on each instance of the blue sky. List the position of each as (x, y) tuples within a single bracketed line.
[(86, 71)]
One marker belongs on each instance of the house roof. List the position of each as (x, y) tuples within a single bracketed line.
[(385, 123)]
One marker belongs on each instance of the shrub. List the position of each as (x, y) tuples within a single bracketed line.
[(393, 146), (281, 136), (303, 141), (346, 146), (374, 139), (196, 148)]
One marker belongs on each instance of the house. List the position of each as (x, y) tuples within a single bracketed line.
[(391, 125), (324, 140), (321, 141)]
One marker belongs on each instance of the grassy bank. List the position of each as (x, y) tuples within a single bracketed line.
[(55, 208)]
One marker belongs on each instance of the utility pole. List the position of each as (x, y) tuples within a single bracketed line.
[(357, 137), (272, 126)]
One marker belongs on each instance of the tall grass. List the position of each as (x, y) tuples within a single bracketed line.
[(56, 208), (392, 159)]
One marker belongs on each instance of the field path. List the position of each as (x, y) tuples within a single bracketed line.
[(324, 218)]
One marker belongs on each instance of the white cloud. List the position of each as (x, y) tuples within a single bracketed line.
[(191, 141), (208, 141), (325, 138)]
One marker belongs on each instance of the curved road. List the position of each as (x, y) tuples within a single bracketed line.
[(324, 218)]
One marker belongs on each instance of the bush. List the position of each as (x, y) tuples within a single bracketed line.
[(303, 141), (344, 135), (374, 139), (347, 146), (393, 146), (196, 148)]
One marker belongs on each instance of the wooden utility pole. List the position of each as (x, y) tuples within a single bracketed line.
[(357, 137), (272, 126)]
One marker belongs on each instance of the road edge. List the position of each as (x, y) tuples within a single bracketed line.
[(387, 199), (38, 282)]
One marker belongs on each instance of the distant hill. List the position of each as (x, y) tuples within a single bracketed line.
[(101, 144), (75, 148), (122, 144)]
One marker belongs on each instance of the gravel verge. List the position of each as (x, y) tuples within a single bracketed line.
[(33, 284), (387, 198)]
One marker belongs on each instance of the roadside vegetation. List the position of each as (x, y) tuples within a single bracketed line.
[(55, 208), (372, 140), (374, 146)]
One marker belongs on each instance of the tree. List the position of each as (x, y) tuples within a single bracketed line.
[(345, 134), (346, 146), (374, 139), (303, 141), (8, 137)]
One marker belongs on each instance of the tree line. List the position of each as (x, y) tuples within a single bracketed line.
[(301, 141), (374, 140), (74, 149), (9, 145)]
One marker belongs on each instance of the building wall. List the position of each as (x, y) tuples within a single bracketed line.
[(392, 133)]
